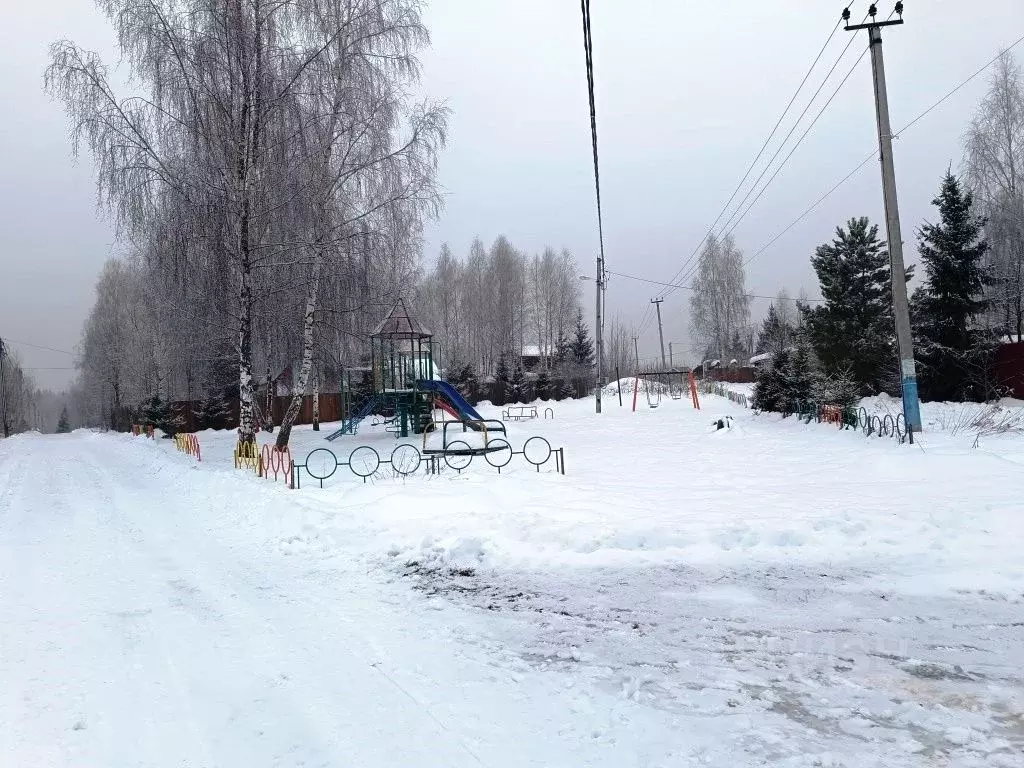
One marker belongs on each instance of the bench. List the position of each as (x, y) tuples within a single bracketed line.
[(519, 412)]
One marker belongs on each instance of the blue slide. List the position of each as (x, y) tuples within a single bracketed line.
[(452, 394)]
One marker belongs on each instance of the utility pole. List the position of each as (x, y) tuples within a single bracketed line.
[(598, 334), (901, 311), (671, 359), (636, 351), (3, 391), (661, 335)]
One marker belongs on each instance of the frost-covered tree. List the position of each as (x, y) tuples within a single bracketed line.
[(950, 342), (720, 305), (272, 171), (994, 171)]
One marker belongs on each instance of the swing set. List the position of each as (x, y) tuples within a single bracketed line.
[(654, 387)]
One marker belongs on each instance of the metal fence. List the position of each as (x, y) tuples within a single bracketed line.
[(886, 425), (406, 460)]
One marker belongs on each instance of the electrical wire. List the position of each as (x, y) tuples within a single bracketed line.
[(764, 146), (691, 288), (8, 339), (588, 50), (874, 153), (798, 143), (793, 129), (871, 156)]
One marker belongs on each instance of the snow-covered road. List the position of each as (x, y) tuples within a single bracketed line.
[(680, 598), (134, 635)]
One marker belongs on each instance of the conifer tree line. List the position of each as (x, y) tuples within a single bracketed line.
[(269, 178), (966, 300)]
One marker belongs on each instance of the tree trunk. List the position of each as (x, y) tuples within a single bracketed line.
[(302, 379), (246, 395), (316, 399)]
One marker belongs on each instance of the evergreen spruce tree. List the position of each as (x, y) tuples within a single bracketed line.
[(581, 358), (769, 392), (214, 412), (64, 422), (799, 379), (469, 385), (518, 386), (158, 414), (502, 380), (953, 350), (853, 329), (775, 333), (542, 387), (837, 388)]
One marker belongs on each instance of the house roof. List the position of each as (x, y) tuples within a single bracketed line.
[(400, 324), (534, 350)]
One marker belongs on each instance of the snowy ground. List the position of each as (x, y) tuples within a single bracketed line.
[(774, 594)]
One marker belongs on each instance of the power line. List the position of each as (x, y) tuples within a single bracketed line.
[(798, 143), (38, 346), (874, 153), (871, 156), (764, 146), (588, 49), (792, 130), (691, 288)]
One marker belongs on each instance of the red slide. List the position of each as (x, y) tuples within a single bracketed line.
[(452, 411), (445, 406)]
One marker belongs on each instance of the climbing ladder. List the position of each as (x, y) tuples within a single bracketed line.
[(349, 425)]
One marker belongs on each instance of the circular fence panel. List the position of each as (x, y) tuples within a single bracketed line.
[(537, 450), (405, 459), (364, 461), (864, 420), (501, 453), (458, 455), (321, 463), (888, 426), (901, 427)]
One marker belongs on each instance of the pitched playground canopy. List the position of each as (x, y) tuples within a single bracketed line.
[(399, 324)]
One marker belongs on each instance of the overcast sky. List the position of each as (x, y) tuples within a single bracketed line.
[(686, 93)]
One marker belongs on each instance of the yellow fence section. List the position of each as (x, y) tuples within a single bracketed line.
[(188, 443), (247, 456)]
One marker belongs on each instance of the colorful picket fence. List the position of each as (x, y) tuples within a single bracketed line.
[(247, 455), (186, 442), (142, 429), (277, 461)]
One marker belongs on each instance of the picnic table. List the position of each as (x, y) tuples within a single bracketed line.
[(519, 412)]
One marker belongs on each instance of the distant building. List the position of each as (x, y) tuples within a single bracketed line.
[(533, 356)]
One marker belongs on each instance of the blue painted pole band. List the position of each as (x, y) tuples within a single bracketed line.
[(911, 404)]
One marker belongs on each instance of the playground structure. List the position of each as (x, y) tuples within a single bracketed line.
[(673, 383), (405, 384)]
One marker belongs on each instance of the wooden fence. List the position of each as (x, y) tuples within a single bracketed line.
[(330, 410)]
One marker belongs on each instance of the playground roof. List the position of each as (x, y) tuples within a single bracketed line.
[(399, 324)]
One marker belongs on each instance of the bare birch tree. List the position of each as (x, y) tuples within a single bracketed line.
[(994, 169), (720, 306)]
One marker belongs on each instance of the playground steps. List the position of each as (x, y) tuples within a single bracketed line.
[(349, 425)]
